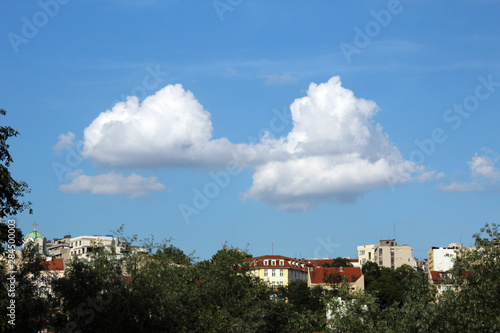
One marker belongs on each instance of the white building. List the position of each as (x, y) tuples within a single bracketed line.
[(82, 246), (440, 259)]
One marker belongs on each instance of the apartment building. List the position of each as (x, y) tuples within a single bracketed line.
[(440, 259), (59, 248), (387, 254), (82, 246)]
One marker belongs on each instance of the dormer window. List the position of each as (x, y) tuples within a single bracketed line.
[(282, 262), (266, 262), (273, 262)]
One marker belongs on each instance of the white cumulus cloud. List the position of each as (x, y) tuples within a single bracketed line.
[(334, 151), (113, 184), (170, 128)]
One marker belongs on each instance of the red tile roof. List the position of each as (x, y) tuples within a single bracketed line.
[(289, 263), (53, 265), (435, 275), (320, 274)]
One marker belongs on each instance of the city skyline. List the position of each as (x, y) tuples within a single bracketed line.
[(307, 129)]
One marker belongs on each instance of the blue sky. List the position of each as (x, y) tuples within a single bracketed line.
[(309, 128)]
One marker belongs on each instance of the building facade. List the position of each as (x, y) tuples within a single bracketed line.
[(59, 248), (441, 258), (82, 246), (279, 270), (387, 254)]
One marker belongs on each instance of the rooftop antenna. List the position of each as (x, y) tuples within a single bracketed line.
[(394, 229), (272, 248)]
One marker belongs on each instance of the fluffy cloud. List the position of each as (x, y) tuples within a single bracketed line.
[(113, 184), (484, 175), (334, 151), (170, 128)]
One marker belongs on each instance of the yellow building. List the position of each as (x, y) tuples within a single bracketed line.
[(279, 270)]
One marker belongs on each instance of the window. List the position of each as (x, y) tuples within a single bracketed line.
[(274, 272), (362, 253), (274, 283), (282, 273), (266, 262), (369, 256), (265, 272), (282, 262), (282, 283), (273, 262), (380, 252)]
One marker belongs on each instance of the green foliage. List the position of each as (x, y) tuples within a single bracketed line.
[(176, 255), (4, 232), (371, 271), (93, 296), (338, 262), (298, 309), (32, 294), (10, 190), (472, 304), (387, 285)]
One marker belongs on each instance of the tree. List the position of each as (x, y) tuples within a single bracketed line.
[(11, 190), (305, 310), (338, 262), (371, 271), (233, 299), (471, 305), (32, 297)]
